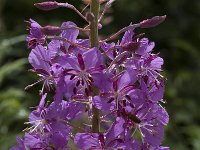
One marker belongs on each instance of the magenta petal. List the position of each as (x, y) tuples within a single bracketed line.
[(54, 48), (156, 63), (160, 114), (20, 145), (145, 47), (157, 92), (127, 37), (115, 130), (39, 58), (60, 134), (86, 141), (32, 141), (108, 48), (102, 104), (70, 34), (128, 78), (153, 134), (92, 58)]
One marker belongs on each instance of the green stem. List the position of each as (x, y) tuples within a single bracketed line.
[(94, 40), (94, 9)]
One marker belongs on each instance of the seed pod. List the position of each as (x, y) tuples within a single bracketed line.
[(47, 5)]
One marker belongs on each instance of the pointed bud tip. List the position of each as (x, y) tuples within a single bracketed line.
[(49, 5), (149, 23)]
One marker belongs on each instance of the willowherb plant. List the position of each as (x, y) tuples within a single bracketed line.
[(108, 95)]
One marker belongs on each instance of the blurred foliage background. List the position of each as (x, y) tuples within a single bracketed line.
[(178, 40)]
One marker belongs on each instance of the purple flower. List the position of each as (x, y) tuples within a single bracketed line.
[(36, 36), (149, 120), (147, 65), (128, 43), (50, 124), (147, 92), (145, 47), (40, 59), (118, 86), (20, 145), (118, 95), (81, 70), (95, 141), (70, 34)]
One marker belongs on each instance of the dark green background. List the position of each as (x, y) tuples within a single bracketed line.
[(177, 39)]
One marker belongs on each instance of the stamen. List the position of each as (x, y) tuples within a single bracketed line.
[(110, 100), (124, 103), (31, 85), (82, 82), (78, 83), (87, 92), (72, 77), (74, 90), (128, 97)]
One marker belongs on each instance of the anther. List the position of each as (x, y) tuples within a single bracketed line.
[(74, 90), (78, 83), (72, 77), (86, 92), (110, 100)]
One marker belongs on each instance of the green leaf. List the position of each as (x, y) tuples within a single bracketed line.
[(11, 67)]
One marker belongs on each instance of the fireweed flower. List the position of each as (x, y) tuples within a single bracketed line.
[(40, 59), (49, 124), (148, 119), (81, 70), (108, 140), (107, 95), (36, 36), (118, 95)]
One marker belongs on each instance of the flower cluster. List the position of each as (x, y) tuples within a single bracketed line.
[(122, 80)]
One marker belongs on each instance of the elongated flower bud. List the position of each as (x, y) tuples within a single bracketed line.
[(149, 23), (47, 5), (50, 30)]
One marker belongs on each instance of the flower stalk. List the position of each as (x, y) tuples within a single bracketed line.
[(94, 41), (117, 84)]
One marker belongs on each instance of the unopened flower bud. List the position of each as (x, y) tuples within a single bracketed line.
[(99, 26), (47, 5), (152, 22), (50, 30), (90, 17)]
